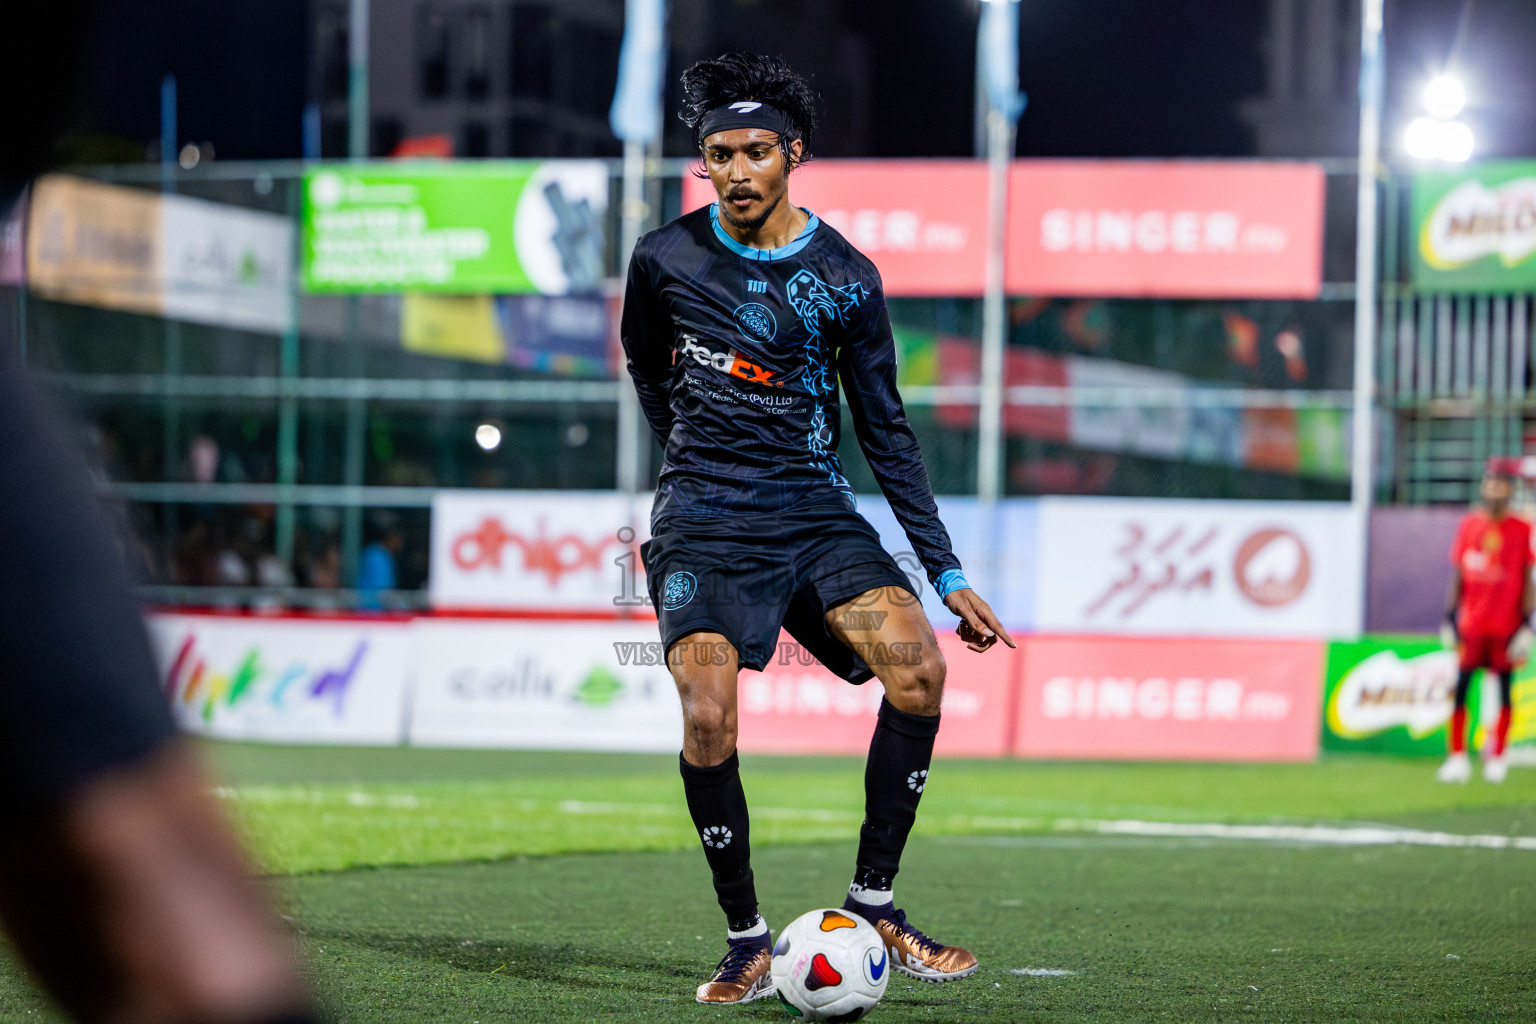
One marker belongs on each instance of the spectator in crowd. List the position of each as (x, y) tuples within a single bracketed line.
[(376, 571)]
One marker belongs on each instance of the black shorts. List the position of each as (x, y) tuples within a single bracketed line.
[(79, 692), (745, 576)]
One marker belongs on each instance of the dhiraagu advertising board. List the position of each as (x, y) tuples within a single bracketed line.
[(487, 227), (1474, 230), (1394, 694)]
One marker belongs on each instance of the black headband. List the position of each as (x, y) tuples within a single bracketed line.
[(746, 114)]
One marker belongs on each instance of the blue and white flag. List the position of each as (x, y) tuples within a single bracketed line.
[(997, 56), (636, 112)]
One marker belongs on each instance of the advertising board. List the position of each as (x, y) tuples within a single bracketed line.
[(475, 227), (165, 255), (544, 552), (1105, 228), (226, 265), (285, 680), (1394, 694), (1165, 229), (543, 686), (795, 706), (1197, 568), (94, 244), (1170, 699), (1474, 228), (922, 222)]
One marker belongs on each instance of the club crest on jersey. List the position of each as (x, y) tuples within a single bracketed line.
[(755, 321), (678, 591)]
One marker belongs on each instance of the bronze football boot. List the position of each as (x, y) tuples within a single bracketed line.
[(917, 956), (742, 975)]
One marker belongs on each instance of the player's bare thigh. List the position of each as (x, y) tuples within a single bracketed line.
[(704, 667), (886, 626)]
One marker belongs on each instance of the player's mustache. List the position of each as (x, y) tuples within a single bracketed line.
[(743, 194)]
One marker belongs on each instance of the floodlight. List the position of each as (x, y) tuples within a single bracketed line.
[(488, 436), (1429, 138), (1444, 96)]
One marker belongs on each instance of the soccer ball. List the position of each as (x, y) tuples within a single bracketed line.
[(830, 965)]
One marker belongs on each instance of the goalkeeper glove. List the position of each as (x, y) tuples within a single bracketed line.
[(1448, 635), (1520, 646)]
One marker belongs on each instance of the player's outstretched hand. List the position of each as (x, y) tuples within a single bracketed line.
[(978, 627)]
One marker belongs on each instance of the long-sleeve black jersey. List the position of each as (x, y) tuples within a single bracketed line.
[(737, 354)]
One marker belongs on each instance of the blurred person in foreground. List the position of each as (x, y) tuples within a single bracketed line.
[(740, 320), (1488, 612), (121, 884)]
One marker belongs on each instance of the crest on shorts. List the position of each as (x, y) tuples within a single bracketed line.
[(678, 590), (755, 321)]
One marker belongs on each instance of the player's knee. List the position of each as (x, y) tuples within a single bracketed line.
[(918, 688), (711, 728)]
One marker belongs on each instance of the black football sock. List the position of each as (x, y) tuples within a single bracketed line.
[(894, 778), (719, 810)]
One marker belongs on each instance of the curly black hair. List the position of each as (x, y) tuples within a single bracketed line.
[(739, 75)]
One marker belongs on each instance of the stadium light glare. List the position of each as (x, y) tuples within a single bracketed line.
[(1444, 96), (488, 436), (1430, 138)]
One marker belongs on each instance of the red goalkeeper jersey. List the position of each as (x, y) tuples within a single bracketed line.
[(1494, 556)]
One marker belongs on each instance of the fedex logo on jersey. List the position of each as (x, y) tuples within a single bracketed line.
[(728, 362)]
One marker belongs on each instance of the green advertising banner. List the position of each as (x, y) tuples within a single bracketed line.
[(1474, 230), (1391, 694), (1394, 694), (508, 227)]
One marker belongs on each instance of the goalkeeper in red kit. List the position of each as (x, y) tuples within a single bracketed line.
[(1487, 618)]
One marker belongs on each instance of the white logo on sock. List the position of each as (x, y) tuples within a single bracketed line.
[(917, 780), (716, 837)]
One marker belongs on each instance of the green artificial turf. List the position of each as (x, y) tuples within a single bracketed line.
[(504, 905), (317, 809)]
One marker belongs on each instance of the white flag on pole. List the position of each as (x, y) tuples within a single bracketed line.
[(636, 112)]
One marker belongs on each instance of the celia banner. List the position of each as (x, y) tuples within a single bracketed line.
[(1168, 699), (1474, 229), (542, 686), (922, 222), (1198, 568), (286, 680), (539, 552), (477, 227), (1157, 229)]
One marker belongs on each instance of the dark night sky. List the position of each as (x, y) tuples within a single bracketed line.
[(1105, 78)]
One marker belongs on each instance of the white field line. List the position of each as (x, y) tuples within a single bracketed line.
[(1326, 835), (1322, 835), (1041, 972)]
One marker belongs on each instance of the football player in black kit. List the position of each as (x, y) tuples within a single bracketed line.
[(740, 322)]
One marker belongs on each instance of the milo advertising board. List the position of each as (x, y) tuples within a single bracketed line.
[(1394, 694), (1474, 230)]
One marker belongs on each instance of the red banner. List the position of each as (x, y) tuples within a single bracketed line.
[(1165, 229), (1170, 699), (922, 222), (796, 708), (1076, 227)]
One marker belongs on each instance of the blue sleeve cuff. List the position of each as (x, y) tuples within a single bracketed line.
[(949, 581)]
